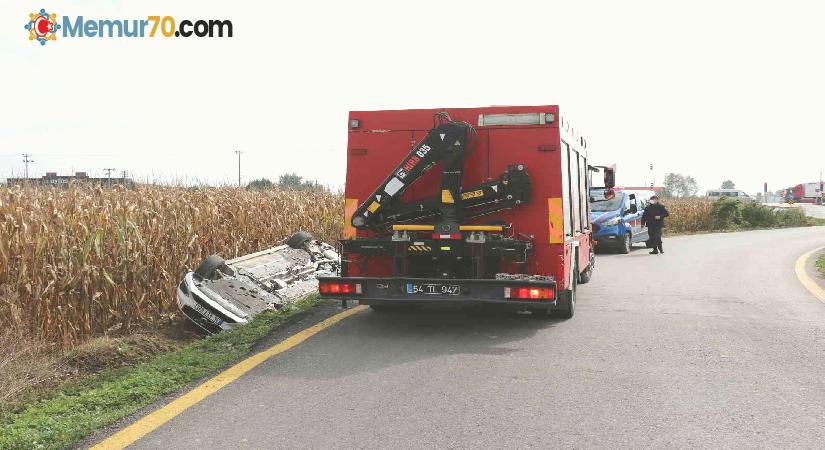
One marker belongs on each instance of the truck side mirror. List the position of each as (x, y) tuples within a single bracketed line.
[(609, 177)]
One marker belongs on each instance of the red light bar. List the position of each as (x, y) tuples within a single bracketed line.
[(529, 293), (330, 287)]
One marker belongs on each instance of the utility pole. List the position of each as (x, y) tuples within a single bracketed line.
[(26, 160), (109, 172), (238, 152), (652, 176)]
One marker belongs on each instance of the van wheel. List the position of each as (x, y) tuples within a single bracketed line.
[(627, 244)]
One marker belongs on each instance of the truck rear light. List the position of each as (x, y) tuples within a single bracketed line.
[(529, 293), (447, 236), (485, 120), (329, 287)]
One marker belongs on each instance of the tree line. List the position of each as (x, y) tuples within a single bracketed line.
[(287, 181)]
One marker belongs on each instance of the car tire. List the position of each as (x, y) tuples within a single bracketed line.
[(626, 244), (206, 269), (298, 239)]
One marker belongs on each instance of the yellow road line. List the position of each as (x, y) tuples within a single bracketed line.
[(152, 421), (806, 279)]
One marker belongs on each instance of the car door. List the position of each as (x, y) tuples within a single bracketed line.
[(634, 219)]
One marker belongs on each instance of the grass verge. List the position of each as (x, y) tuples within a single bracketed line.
[(80, 408), (820, 265)]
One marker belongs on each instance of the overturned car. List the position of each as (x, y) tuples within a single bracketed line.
[(220, 294)]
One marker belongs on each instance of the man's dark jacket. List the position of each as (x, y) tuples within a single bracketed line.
[(651, 211)]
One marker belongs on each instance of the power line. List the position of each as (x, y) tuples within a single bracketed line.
[(238, 152), (26, 160)]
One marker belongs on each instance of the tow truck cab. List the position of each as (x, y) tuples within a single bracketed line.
[(617, 221), (470, 205)]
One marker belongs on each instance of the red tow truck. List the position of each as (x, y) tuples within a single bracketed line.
[(469, 205)]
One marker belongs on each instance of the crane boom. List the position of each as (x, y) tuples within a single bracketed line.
[(447, 142)]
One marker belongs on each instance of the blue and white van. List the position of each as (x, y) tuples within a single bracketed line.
[(618, 221)]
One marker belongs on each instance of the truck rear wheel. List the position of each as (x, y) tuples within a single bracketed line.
[(585, 276), (567, 300)]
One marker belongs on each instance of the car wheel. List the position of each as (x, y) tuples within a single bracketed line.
[(207, 268), (627, 244), (298, 239)]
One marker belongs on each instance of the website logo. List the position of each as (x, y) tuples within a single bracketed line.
[(42, 27)]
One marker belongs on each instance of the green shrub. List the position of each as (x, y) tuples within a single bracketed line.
[(754, 215), (791, 217), (726, 213)]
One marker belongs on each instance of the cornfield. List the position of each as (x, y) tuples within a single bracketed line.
[(76, 262), (689, 215)]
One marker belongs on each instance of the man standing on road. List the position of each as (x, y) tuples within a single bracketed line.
[(654, 219)]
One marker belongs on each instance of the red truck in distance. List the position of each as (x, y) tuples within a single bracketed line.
[(806, 193), (467, 205)]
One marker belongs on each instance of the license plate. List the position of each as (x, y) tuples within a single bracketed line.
[(433, 289), (209, 315)]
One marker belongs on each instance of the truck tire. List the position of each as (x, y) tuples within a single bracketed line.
[(626, 244), (585, 276), (567, 300), (207, 268), (298, 239)]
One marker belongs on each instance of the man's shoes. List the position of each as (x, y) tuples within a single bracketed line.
[(654, 252)]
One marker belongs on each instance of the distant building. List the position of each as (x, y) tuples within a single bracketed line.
[(52, 178)]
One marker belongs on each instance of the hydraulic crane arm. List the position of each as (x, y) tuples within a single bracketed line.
[(448, 143), (511, 189)]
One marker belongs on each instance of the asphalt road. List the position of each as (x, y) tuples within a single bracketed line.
[(714, 344)]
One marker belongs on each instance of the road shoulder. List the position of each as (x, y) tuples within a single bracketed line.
[(809, 275), (289, 328)]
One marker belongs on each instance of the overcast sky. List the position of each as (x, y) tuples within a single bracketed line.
[(715, 90)]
